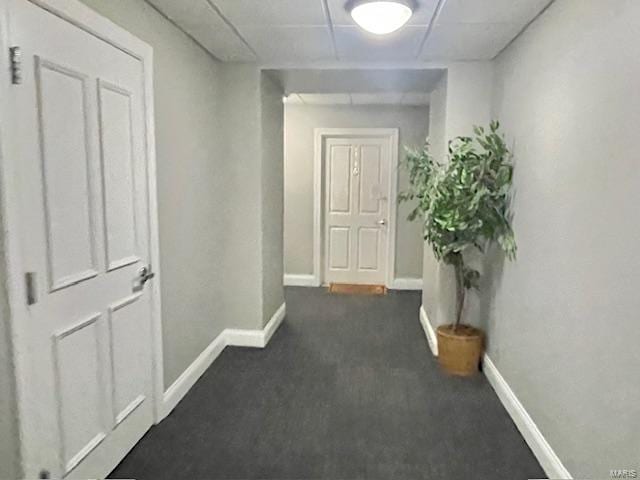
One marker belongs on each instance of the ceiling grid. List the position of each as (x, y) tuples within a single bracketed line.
[(231, 26), (313, 32), (327, 13)]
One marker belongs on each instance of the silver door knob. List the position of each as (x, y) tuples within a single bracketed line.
[(382, 222), (144, 275)]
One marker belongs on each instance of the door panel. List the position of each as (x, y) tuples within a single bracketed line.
[(340, 179), (370, 179), (116, 137), (127, 368), (62, 113), (339, 247), (80, 391), (79, 134), (355, 183), (368, 248)]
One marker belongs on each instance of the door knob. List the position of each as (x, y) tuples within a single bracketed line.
[(382, 222), (144, 275)]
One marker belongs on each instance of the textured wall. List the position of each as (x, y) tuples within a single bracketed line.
[(563, 320), (272, 124)]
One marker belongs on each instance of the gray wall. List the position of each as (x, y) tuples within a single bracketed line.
[(240, 169), (563, 320), (300, 121), (272, 205), (252, 125)]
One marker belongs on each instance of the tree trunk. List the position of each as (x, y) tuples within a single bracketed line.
[(460, 289)]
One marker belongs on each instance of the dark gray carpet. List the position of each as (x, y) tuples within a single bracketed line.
[(347, 389)]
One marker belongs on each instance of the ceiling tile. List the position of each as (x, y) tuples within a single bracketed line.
[(290, 44), (491, 11), (272, 12), (325, 99), (468, 41), (200, 21), (422, 16), (355, 44), (294, 31)]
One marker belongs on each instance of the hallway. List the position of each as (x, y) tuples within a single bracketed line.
[(346, 389)]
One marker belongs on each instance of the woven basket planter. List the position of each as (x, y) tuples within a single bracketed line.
[(460, 350)]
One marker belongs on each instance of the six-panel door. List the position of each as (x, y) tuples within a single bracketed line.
[(80, 138), (356, 182)]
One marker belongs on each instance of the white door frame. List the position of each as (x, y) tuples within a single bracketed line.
[(320, 135), (88, 20)]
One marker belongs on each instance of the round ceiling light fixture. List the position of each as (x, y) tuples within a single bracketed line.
[(381, 16)]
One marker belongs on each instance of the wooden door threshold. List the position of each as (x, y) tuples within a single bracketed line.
[(354, 289)]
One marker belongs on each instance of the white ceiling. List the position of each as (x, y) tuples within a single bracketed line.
[(301, 32)]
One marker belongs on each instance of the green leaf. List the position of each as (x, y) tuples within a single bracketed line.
[(463, 200)]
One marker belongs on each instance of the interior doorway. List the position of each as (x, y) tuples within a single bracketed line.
[(355, 205), (323, 105)]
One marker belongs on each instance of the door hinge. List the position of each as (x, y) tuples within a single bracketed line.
[(31, 287), (15, 58)]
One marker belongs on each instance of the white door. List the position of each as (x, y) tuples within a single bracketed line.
[(78, 133), (356, 186)]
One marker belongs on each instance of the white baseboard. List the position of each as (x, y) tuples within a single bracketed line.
[(256, 338), (244, 338), (294, 280), (406, 284), (432, 338), (548, 459), (275, 321), (229, 337), (190, 376)]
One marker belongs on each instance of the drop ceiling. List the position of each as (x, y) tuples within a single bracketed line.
[(304, 32)]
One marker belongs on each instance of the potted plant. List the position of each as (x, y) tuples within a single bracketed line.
[(464, 204)]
